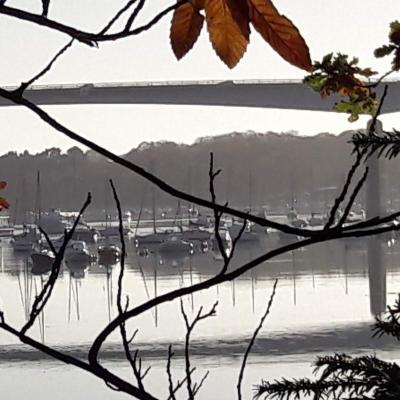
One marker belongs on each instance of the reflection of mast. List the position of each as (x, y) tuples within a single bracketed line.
[(146, 288), (294, 278), (233, 287), (153, 198), (191, 281), (38, 200), (250, 191), (376, 276), (25, 289), (253, 300), (346, 283), (155, 293), (73, 294), (109, 290), (41, 315)]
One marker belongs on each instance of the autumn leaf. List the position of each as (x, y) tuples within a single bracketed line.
[(228, 24), (280, 33), (186, 26), (3, 203), (3, 184), (228, 27)]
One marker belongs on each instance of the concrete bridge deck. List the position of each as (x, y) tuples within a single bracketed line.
[(281, 94)]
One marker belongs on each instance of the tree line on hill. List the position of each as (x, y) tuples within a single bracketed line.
[(274, 171)]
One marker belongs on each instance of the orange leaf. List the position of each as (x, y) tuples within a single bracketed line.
[(228, 27), (280, 33), (186, 26), (3, 203), (3, 184)]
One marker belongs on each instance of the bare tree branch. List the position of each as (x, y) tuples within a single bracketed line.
[(25, 85), (133, 16), (88, 38), (133, 361), (345, 189), (116, 17), (353, 197), (253, 339), (189, 328), (173, 388), (45, 7)]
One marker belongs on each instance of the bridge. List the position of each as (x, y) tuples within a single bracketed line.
[(280, 94)]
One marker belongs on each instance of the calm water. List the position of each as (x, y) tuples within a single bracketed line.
[(323, 304)]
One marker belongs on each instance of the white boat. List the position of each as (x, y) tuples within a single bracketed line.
[(226, 243)]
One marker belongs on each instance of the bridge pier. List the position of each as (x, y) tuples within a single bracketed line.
[(375, 244)]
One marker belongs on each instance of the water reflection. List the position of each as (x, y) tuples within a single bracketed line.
[(321, 287)]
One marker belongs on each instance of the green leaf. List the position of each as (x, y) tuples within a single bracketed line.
[(384, 50), (394, 35), (316, 81), (396, 60)]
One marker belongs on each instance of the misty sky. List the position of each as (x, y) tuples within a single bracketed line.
[(355, 27)]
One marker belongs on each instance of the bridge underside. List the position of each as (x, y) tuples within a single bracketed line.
[(282, 95)]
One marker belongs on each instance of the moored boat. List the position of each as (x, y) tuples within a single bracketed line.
[(109, 254), (42, 261), (174, 244)]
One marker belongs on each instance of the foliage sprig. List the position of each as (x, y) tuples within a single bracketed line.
[(336, 74)]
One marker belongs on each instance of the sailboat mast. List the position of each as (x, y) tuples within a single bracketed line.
[(250, 191), (38, 199), (153, 198)]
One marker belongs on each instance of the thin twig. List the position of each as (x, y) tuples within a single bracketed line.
[(345, 189), (253, 339), (217, 220), (169, 373), (25, 85), (353, 197), (197, 386), (189, 328), (116, 17), (133, 16), (217, 214), (124, 336), (88, 38)]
